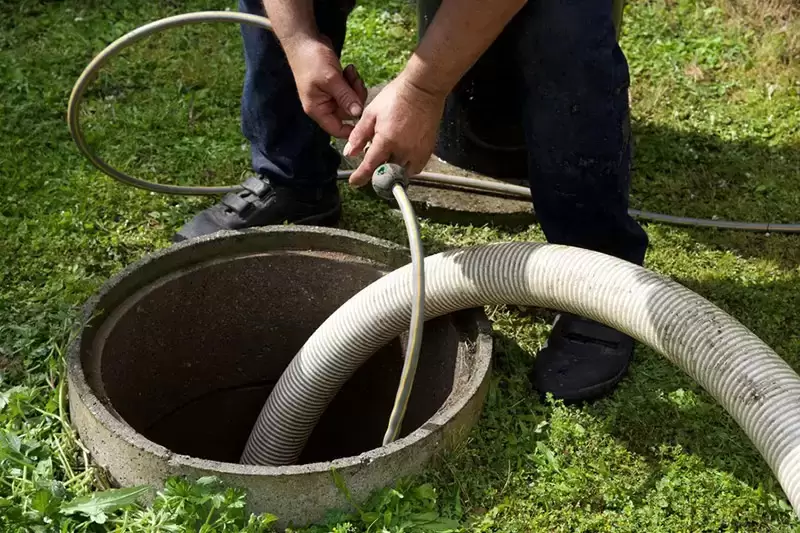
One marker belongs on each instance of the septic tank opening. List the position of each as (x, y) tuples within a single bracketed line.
[(189, 360)]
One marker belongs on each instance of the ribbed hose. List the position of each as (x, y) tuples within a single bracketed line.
[(759, 390)]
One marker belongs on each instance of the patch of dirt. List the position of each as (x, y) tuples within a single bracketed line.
[(9, 366), (695, 72)]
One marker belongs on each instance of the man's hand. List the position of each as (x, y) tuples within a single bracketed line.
[(403, 120), (400, 125), (329, 95)]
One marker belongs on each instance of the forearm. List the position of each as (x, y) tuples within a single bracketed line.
[(292, 20), (461, 31)]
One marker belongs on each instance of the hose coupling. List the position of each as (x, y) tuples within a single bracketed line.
[(386, 177)]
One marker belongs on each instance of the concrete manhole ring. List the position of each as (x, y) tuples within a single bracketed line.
[(178, 352)]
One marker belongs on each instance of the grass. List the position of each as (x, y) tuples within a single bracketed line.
[(716, 102)]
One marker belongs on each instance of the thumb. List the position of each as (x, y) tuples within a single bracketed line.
[(345, 96)]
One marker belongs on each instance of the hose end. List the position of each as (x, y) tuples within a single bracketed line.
[(386, 176)]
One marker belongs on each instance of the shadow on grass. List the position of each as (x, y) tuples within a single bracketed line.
[(693, 174), (697, 174)]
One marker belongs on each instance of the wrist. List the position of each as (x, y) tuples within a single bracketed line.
[(298, 39), (423, 78)]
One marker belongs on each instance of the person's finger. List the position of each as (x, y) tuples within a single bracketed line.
[(345, 96), (334, 126), (379, 152), (360, 136), (344, 115), (354, 80), (325, 116), (361, 89), (416, 166), (341, 114), (350, 74), (418, 161)]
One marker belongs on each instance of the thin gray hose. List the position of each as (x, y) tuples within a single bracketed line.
[(519, 191), (756, 387), (91, 71), (417, 315), (93, 68)]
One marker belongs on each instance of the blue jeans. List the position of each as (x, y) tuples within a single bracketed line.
[(575, 107)]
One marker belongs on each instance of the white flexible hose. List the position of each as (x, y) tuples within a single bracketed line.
[(759, 390)]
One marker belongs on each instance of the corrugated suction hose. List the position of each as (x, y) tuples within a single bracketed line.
[(759, 390)]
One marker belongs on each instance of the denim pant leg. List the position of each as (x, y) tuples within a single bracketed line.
[(577, 125), (287, 146)]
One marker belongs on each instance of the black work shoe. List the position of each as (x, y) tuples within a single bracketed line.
[(260, 203), (582, 360)]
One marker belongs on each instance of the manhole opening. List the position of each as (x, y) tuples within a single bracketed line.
[(189, 360)]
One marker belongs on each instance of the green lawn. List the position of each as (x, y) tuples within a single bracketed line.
[(716, 101)]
